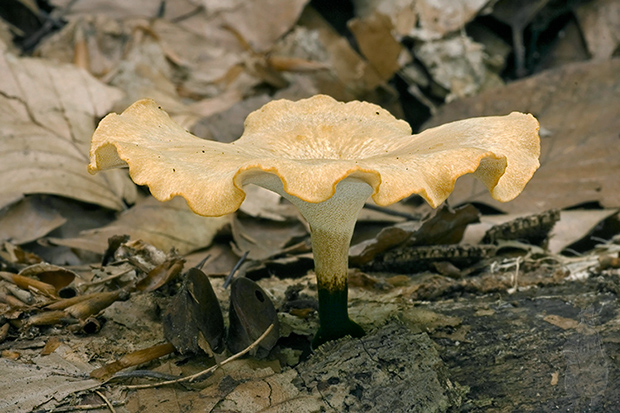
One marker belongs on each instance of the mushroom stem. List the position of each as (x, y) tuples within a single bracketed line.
[(331, 254), (331, 227)]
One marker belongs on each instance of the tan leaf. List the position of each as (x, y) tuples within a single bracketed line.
[(267, 239), (262, 22), (350, 76), (600, 24), (163, 225), (47, 112), (50, 379), (374, 37), (119, 9), (575, 225), (28, 220), (143, 57)]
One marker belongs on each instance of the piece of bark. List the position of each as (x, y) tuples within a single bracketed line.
[(413, 259), (532, 228), (389, 370)]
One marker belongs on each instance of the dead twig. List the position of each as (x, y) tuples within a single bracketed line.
[(81, 407), (235, 268), (199, 375), (106, 401), (132, 359)]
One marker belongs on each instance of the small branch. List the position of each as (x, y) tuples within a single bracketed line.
[(235, 268), (81, 407), (106, 401)]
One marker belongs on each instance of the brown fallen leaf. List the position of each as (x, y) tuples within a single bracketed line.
[(444, 226), (28, 283), (48, 112), (599, 21), (575, 225), (251, 313), (50, 379), (4, 331), (160, 275), (261, 23), (265, 239), (351, 76), (29, 220), (143, 58), (193, 321), (163, 225), (58, 277), (95, 303), (376, 42)]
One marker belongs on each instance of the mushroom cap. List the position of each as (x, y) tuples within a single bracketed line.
[(313, 144)]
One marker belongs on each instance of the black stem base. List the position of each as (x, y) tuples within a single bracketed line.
[(334, 318)]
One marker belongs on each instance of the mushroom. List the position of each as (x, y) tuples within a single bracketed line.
[(325, 157)]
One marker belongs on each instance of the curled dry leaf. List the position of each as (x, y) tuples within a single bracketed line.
[(251, 313), (51, 274), (47, 112), (132, 359), (160, 275), (28, 283), (193, 321)]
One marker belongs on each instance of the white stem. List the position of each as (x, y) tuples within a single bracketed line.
[(331, 226)]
